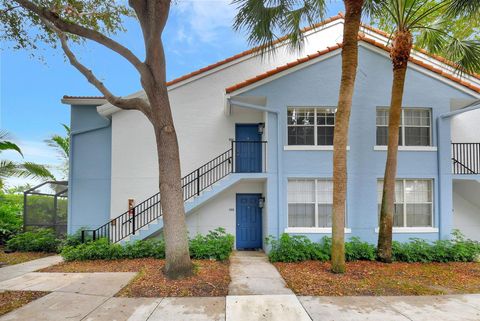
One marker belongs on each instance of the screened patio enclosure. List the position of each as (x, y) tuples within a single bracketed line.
[(45, 206)]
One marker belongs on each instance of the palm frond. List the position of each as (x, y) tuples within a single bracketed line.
[(6, 145), (469, 8), (8, 169), (372, 8), (32, 170), (463, 53), (266, 20)]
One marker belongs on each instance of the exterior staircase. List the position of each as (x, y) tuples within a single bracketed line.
[(199, 186)]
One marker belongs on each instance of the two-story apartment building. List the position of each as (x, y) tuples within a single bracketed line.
[(256, 139)]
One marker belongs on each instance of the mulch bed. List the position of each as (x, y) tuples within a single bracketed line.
[(20, 257), (211, 277), (11, 300), (373, 278)]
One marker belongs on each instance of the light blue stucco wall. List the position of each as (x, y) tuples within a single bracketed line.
[(318, 85), (90, 169)]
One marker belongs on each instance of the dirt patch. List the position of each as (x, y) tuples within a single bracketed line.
[(211, 277), (11, 300), (20, 257), (373, 278)]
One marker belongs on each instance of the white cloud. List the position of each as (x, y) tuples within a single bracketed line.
[(204, 20)]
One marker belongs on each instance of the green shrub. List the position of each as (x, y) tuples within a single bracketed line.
[(42, 240), (146, 248), (356, 250), (458, 249), (11, 217), (215, 245), (299, 248), (73, 239), (98, 250), (295, 248)]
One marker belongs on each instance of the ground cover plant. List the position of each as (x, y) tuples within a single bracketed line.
[(297, 248), (375, 278), (11, 300), (216, 245), (41, 240), (211, 278)]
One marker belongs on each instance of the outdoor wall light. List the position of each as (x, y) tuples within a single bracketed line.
[(261, 202), (261, 128)]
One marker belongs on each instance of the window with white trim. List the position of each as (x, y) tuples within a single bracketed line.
[(310, 202), (310, 126), (415, 127), (413, 202)]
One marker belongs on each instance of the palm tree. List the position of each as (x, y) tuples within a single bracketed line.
[(262, 18), (62, 145), (10, 168), (425, 23)]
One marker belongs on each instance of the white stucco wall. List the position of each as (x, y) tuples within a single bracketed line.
[(466, 217), (221, 211), (203, 129), (465, 127)]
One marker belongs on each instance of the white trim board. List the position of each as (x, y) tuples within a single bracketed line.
[(408, 148), (310, 147), (312, 230), (413, 230)]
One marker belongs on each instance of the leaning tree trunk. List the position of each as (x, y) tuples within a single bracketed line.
[(177, 257), (353, 14), (153, 17), (402, 46)]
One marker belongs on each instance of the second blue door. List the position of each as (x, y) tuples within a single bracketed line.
[(249, 222), (248, 149)]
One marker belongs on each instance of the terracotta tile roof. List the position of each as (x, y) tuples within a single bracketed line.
[(421, 50), (282, 68), (248, 52), (338, 46), (83, 97), (425, 65)]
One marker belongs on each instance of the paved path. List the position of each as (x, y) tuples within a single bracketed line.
[(89, 297), (12, 271), (252, 274)]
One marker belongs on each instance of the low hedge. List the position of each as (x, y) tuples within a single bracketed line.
[(41, 240), (215, 245), (299, 248)]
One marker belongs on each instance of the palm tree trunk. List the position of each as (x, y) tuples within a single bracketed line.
[(353, 14), (402, 46)]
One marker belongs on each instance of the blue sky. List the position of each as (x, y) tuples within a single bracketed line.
[(198, 33)]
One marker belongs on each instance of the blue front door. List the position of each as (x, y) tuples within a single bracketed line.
[(249, 222), (248, 149)]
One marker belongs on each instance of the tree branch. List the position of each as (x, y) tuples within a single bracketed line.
[(84, 32), (123, 103)]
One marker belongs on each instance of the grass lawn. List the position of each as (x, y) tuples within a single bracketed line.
[(11, 300), (211, 277), (20, 257), (373, 278)]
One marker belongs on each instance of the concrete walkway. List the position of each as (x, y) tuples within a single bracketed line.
[(89, 296), (253, 274), (12, 271)]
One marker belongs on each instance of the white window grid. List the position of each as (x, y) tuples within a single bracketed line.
[(316, 111), (318, 199), (402, 122), (403, 197)]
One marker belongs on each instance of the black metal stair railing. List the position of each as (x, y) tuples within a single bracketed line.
[(466, 158), (144, 213)]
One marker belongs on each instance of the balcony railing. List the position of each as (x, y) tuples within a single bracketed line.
[(466, 158)]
